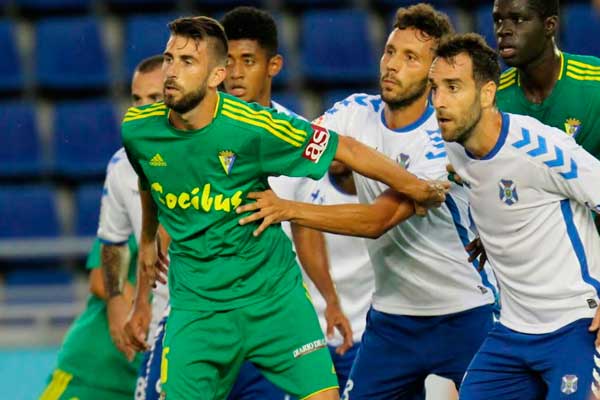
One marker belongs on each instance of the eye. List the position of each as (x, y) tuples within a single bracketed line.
[(453, 88), (249, 62), (411, 57), (520, 20)]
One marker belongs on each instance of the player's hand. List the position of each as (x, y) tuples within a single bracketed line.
[(453, 176), (595, 327), (337, 320), (154, 264), (117, 309), (475, 250), (430, 194), (270, 208), (136, 328)]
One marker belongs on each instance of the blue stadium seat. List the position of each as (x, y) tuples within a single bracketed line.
[(87, 200), (484, 24), (145, 36), (70, 55), (388, 4), (86, 134), (228, 4), (137, 6), (337, 48), (291, 101), (39, 6), (11, 75), (581, 29), (20, 152), (28, 212)]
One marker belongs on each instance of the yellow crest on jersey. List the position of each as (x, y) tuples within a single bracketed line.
[(572, 126), (227, 158)]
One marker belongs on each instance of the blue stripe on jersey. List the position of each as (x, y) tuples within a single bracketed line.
[(412, 126), (499, 143), (108, 242), (463, 234), (565, 207)]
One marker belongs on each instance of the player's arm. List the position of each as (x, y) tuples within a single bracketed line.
[(375, 165), (312, 253), (365, 220), (152, 265)]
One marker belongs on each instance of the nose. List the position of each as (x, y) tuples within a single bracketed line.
[(235, 70), (438, 99), (504, 28)]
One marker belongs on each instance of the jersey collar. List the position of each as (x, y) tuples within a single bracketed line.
[(410, 127), (499, 143)]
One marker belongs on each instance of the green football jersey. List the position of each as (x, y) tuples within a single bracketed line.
[(88, 352), (573, 106), (198, 178)]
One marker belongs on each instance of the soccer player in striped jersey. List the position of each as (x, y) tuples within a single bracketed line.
[(532, 190), (560, 89), (234, 296), (89, 365)]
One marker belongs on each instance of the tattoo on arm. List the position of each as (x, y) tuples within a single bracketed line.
[(112, 269)]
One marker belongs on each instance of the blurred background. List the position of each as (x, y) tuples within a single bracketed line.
[(65, 67)]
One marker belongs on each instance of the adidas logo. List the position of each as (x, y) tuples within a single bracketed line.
[(157, 161)]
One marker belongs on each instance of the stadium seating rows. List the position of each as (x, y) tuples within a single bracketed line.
[(334, 43)]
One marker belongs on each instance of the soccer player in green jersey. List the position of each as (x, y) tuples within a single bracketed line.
[(234, 296), (89, 365), (559, 89)]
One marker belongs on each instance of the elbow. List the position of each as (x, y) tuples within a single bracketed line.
[(376, 229)]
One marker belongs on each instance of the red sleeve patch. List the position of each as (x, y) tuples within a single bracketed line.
[(317, 145)]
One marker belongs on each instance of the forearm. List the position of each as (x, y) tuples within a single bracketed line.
[(375, 165), (115, 265), (143, 287), (312, 253), (363, 220), (149, 218)]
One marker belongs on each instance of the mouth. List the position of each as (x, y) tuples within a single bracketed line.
[(507, 51), (237, 91), (443, 121)]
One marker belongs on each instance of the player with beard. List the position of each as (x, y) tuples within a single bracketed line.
[(531, 189), (234, 296), (427, 295)]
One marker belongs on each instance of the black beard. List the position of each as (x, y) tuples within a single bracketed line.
[(409, 99), (188, 102)]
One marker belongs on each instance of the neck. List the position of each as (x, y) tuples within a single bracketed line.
[(485, 134), (539, 77), (198, 117), (345, 181), (401, 117), (265, 98)]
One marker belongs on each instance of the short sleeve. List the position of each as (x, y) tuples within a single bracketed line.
[(293, 147), (115, 225), (94, 260)]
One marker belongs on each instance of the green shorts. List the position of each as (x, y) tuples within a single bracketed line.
[(64, 386), (203, 351)]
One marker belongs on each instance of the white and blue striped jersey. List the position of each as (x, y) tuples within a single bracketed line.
[(531, 198), (349, 262), (421, 266)]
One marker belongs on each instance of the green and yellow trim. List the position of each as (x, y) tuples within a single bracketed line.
[(582, 72), (508, 79), (135, 113), (320, 391), (58, 385), (279, 128)]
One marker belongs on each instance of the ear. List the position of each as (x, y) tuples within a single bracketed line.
[(217, 76), (488, 94), (275, 65), (551, 26)]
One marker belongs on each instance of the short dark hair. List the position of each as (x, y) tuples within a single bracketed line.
[(485, 60), (253, 24), (201, 28), (544, 8), (424, 18), (149, 64)]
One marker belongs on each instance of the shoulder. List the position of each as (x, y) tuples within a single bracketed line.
[(256, 119), (545, 146), (582, 69), (358, 102), (142, 117), (507, 79)]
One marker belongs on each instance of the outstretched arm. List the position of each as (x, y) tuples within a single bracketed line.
[(375, 165), (365, 220)]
